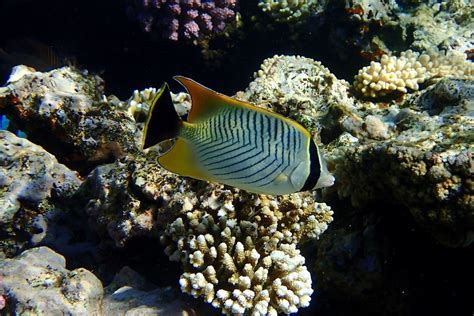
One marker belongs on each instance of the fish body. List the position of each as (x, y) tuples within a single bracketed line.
[(235, 143)]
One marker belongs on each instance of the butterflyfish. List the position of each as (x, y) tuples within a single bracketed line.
[(232, 142)]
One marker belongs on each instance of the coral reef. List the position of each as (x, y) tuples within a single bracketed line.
[(417, 154), (240, 252), (297, 87), (191, 19), (33, 188), (425, 165), (405, 73), (37, 282), (403, 176), (250, 239)]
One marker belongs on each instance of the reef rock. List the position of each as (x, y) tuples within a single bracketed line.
[(365, 30), (34, 187), (37, 282), (65, 112), (417, 154), (425, 165), (130, 294)]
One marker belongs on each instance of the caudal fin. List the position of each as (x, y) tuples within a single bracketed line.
[(162, 122)]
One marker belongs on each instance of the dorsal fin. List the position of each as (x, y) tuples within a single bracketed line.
[(204, 100)]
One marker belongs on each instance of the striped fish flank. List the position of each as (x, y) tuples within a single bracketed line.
[(249, 149), (235, 143)]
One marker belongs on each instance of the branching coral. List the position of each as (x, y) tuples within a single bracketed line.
[(405, 73), (240, 252)]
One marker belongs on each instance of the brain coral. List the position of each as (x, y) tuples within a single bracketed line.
[(404, 73)]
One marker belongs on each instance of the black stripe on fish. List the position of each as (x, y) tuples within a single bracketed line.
[(314, 168)]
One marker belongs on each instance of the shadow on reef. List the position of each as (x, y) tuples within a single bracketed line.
[(377, 261)]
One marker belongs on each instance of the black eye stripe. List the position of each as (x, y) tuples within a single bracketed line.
[(314, 168)]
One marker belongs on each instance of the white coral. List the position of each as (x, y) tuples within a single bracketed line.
[(405, 73), (245, 260)]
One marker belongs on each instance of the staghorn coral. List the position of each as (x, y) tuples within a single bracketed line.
[(190, 19), (405, 73)]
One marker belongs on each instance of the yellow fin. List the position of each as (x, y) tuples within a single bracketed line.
[(180, 159), (204, 100)]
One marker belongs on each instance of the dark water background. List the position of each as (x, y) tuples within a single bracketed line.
[(100, 36)]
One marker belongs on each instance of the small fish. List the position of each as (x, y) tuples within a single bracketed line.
[(233, 142)]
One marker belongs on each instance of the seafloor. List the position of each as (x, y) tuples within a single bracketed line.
[(90, 224)]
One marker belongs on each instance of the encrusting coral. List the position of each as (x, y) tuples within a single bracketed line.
[(405, 73)]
